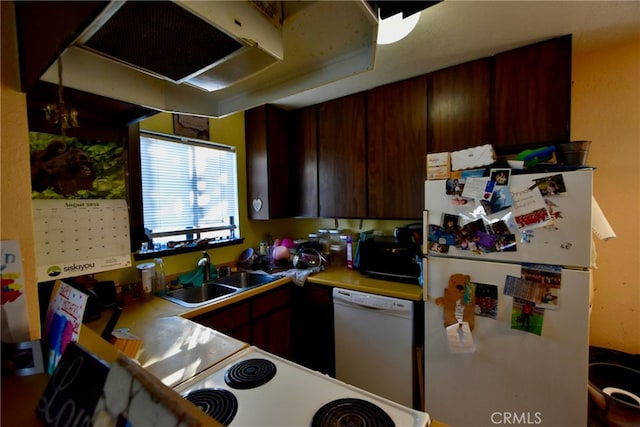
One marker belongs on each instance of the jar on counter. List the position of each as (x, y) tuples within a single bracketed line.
[(338, 255), (338, 248), (325, 241), (313, 241)]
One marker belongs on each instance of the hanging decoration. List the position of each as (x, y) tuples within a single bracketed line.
[(58, 112)]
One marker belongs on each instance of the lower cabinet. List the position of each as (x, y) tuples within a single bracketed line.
[(264, 321), (291, 321), (271, 317)]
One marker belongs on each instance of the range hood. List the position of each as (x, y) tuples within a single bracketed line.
[(213, 58), (209, 45)]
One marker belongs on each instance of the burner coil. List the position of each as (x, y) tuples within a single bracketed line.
[(351, 412), (219, 404), (250, 373)]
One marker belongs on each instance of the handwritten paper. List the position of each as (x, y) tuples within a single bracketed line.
[(529, 209), (74, 389), (478, 188), (459, 338)]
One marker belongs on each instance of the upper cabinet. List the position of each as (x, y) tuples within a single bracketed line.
[(363, 155), (304, 148), (518, 97), (396, 149), (532, 94), (268, 182), (342, 172), (459, 106), (45, 29)]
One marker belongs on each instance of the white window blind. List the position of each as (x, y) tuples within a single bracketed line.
[(189, 188)]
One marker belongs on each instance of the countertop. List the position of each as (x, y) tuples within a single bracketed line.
[(156, 307), (21, 394), (166, 332), (342, 277)]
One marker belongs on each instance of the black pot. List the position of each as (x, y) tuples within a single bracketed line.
[(615, 391), (248, 259), (308, 258)]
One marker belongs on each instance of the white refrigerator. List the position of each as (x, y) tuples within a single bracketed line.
[(514, 367)]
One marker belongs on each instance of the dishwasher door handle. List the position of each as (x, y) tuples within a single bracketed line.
[(371, 301)]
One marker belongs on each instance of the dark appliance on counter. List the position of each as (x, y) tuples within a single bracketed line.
[(388, 258), (411, 233)]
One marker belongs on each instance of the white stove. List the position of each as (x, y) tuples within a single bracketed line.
[(257, 388)]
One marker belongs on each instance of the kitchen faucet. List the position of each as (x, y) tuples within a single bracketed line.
[(204, 262)]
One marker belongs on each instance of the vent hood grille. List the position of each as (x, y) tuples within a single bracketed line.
[(143, 34), (208, 45), (132, 56)]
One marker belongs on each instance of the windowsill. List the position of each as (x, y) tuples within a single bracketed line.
[(185, 249)]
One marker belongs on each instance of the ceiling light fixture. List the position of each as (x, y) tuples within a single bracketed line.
[(395, 28)]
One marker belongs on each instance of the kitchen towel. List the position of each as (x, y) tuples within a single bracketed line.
[(299, 276), (196, 277)]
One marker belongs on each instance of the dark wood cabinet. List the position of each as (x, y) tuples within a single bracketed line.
[(532, 94), (342, 172), (45, 29), (271, 320), (304, 146), (459, 106), (363, 155), (313, 330), (264, 321), (396, 149), (268, 181), (233, 320)]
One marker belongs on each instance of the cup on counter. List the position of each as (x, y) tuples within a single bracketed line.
[(147, 276)]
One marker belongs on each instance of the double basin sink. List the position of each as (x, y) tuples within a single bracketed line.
[(218, 288)]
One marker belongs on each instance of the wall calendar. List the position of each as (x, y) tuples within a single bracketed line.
[(78, 237)]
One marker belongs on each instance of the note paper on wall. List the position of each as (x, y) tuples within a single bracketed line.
[(15, 320)]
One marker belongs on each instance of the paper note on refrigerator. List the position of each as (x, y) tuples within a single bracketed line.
[(529, 209), (460, 339)]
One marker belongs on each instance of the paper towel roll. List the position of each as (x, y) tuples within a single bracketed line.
[(599, 223)]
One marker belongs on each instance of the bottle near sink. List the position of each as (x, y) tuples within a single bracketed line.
[(160, 279)]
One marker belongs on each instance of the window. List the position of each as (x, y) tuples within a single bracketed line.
[(189, 190)]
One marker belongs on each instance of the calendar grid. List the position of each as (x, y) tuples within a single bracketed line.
[(74, 237)]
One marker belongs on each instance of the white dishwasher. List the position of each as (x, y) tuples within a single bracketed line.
[(374, 343)]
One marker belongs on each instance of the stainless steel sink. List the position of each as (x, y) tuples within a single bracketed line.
[(218, 288), (245, 279), (196, 296)]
